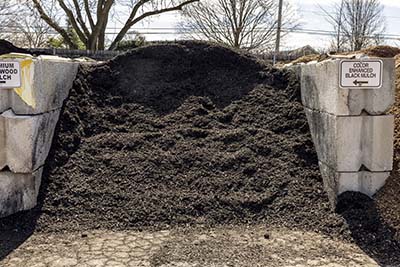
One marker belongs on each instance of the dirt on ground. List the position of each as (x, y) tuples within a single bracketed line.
[(192, 134)]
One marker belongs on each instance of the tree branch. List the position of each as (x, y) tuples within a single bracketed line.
[(80, 19), (130, 23), (54, 24), (89, 14), (72, 20), (103, 10)]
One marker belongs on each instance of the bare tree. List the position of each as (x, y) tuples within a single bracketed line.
[(3, 8), (2, 15), (24, 27), (89, 18), (335, 18), (6, 10), (246, 24), (357, 23)]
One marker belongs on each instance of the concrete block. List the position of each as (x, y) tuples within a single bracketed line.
[(320, 90), (18, 191), (336, 183), (25, 140), (330, 186), (365, 182), (46, 81), (348, 143), (296, 69)]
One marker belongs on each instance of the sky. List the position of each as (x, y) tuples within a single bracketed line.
[(311, 18)]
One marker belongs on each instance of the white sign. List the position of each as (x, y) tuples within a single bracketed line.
[(10, 74), (361, 74)]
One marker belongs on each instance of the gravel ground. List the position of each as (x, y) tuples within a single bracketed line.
[(233, 246)]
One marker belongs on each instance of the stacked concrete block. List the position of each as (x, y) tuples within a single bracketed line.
[(28, 117), (351, 131)]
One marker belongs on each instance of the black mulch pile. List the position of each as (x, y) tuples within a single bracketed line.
[(191, 133), (7, 47)]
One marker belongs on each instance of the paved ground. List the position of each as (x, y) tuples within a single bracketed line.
[(234, 246)]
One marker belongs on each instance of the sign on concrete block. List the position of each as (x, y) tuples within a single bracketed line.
[(10, 74), (360, 74)]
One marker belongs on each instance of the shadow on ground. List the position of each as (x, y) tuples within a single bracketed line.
[(368, 229), (16, 229)]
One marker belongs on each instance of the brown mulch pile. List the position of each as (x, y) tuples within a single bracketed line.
[(396, 109), (373, 51), (388, 199), (381, 51), (309, 58)]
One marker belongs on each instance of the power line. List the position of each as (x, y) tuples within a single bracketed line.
[(176, 31), (318, 13)]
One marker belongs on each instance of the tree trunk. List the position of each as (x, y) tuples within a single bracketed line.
[(102, 36)]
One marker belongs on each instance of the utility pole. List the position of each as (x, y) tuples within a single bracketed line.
[(278, 31)]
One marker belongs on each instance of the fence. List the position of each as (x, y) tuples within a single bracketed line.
[(106, 55), (291, 54), (96, 55)]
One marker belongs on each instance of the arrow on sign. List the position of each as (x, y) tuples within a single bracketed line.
[(360, 83)]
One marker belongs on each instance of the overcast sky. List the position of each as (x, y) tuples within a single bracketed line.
[(312, 18)]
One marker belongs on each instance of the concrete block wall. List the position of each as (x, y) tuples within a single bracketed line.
[(25, 140), (351, 131), (28, 117)]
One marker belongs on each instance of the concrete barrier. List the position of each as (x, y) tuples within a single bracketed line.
[(28, 117), (25, 140), (45, 80), (18, 191), (366, 182), (351, 132), (349, 143)]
